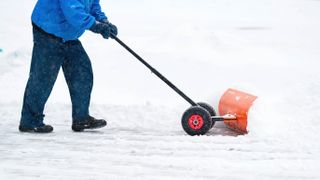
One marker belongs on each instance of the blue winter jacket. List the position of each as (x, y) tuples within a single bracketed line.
[(67, 19)]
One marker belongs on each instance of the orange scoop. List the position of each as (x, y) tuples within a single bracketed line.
[(237, 103)]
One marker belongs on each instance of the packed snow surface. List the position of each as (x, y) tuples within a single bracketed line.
[(267, 48)]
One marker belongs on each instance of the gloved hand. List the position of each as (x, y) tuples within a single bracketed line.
[(101, 28), (113, 28)]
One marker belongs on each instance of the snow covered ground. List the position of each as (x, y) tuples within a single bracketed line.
[(268, 48)]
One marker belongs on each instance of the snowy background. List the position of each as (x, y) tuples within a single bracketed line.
[(270, 48)]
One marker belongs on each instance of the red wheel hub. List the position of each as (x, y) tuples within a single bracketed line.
[(195, 122)]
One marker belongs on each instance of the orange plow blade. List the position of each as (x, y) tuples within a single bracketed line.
[(237, 103)]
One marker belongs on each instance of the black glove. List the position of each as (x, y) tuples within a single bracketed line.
[(101, 28), (113, 28)]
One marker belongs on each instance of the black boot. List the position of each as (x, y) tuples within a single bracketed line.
[(40, 129), (88, 123)]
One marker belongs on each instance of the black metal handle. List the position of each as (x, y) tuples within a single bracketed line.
[(153, 70)]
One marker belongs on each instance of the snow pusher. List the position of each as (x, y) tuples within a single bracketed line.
[(236, 103), (201, 117)]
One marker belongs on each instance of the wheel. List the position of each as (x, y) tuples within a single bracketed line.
[(210, 109), (196, 121)]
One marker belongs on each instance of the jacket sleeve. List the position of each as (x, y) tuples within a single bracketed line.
[(75, 14), (96, 11)]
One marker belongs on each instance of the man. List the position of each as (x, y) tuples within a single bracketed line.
[(57, 25)]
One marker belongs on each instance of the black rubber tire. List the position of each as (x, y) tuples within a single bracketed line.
[(203, 113), (210, 109)]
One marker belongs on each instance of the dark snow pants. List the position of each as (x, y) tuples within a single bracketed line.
[(49, 54)]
